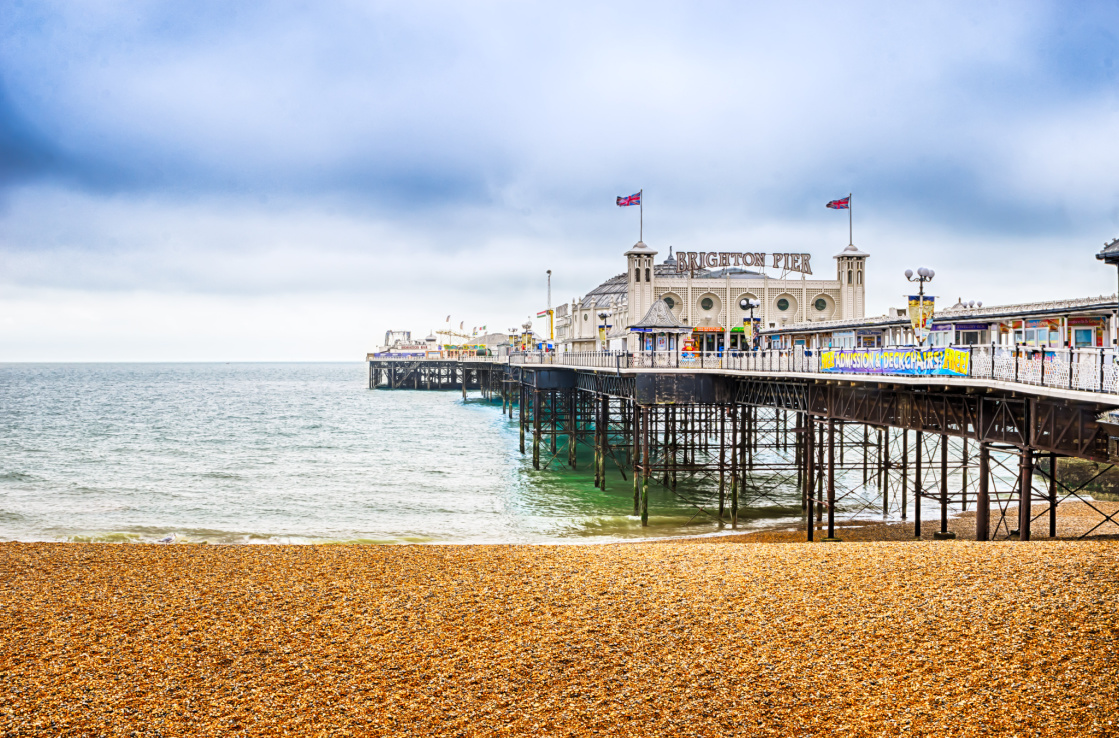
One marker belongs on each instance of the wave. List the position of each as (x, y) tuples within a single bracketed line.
[(18, 476)]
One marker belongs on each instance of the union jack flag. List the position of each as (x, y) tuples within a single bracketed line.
[(631, 200), (840, 204)]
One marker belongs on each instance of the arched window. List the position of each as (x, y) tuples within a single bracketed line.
[(647, 275), (860, 277), (637, 274), (848, 276)]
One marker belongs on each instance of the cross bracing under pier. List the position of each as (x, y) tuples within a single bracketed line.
[(828, 449)]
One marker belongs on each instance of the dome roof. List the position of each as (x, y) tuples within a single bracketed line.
[(851, 251)]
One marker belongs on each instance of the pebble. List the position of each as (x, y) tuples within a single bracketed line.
[(944, 638)]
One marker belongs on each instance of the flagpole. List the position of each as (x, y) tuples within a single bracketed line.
[(850, 219), (641, 205)]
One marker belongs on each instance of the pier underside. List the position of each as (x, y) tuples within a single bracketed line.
[(828, 451)]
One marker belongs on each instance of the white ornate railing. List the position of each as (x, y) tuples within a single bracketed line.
[(413, 357)]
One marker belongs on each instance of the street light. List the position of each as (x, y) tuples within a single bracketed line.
[(602, 316), (748, 304), (924, 274)]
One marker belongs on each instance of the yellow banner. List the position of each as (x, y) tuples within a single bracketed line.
[(921, 314)]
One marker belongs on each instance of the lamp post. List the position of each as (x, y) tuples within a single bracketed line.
[(748, 304), (924, 274), (602, 316)]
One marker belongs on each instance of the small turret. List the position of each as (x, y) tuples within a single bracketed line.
[(639, 263), (850, 266)]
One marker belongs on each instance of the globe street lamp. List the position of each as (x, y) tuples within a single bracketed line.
[(748, 304), (924, 274), (602, 316)]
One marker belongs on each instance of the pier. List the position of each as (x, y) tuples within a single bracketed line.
[(753, 428)]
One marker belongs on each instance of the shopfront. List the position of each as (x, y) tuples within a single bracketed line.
[(868, 338), (1085, 332), (655, 341), (708, 339)]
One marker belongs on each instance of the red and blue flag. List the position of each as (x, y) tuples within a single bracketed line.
[(843, 204), (631, 200)]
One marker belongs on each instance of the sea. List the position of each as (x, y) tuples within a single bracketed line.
[(245, 453)]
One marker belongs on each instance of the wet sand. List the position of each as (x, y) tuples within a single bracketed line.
[(915, 638)]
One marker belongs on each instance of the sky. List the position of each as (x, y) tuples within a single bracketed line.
[(223, 181)]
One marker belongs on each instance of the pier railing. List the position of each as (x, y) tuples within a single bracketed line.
[(1085, 369), (419, 357)]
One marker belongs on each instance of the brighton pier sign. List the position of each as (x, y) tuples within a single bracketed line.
[(687, 261)]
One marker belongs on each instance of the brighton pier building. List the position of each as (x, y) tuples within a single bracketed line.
[(693, 299)]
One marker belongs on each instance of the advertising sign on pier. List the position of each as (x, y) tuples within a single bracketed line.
[(951, 361)]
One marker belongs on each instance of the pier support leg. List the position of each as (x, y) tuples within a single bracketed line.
[(535, 429), (904, 472), (646, 472), (821, 445), (866, 454), (521, 415), (605, 443), (554, 419), (733, 461), (964, 462), (983, 501), (636, 460), (943, 533), (751, 435), (831, 479), (675, 448), (1025, 493), (810, 472), (1052, 495), (597, 442), (918, 488), (884, 445), (572, 458), (798, 440), (722, 456)]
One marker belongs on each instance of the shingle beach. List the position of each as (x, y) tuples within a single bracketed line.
[(708, 639)]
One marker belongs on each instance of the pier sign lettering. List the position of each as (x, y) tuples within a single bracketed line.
[(690, 260), (951, 361)]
